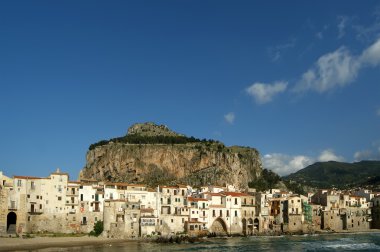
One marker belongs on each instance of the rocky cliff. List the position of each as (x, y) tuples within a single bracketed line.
[(153, 154)]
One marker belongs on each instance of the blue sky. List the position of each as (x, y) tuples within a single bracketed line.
[(299, 81)]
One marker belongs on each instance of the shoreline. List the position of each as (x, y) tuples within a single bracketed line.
[(27, 244), (40, 242)]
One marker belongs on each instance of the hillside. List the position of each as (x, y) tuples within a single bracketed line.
[(153, 154), (338, 174)]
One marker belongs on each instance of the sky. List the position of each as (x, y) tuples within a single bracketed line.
[(297, 80)]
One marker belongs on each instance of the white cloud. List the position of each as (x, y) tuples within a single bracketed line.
[(284, 164), (319, 34), (264, 93), (230, 117), (367, 33), (363, 155), (371, 55), (275, 52), (371, 153), (342, 21), (337, 69), (329, 155), (334, 69)]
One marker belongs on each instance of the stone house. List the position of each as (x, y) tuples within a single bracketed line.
[(121, 219), (249, 220), (375, 212)]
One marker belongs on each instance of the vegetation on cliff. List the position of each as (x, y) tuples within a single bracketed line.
[(338, 174), (142, 139), (266, 181)]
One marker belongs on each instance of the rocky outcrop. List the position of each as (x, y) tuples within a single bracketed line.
[(194, 163), (151, 129)]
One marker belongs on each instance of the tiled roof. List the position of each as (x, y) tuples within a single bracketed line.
[(235, 194), (27, 177)]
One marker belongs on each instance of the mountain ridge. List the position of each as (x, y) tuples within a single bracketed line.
[(338, 174)]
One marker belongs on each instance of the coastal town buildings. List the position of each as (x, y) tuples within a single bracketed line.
[(55, 204)]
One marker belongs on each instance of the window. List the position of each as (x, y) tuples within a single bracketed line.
[(228, 213), (220, 213), (59, 198), (28, 196), (213, 213), (235, 213), (172, 220), (235, 201), (19, 184)]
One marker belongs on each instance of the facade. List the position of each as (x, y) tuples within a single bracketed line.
[(54, 204)]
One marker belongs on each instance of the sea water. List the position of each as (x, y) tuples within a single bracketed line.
[(324, 242)]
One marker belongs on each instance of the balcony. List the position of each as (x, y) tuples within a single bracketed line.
[(71, 194), (70, 203), (248, 205), (12, 208), (72, 211), (35, 211)]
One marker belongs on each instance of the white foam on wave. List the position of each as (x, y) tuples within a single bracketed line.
[(353, 246)]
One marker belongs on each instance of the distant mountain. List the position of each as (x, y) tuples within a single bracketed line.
[(338, 174)]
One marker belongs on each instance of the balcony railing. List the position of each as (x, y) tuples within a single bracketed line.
[(35, 211), (12, 206)]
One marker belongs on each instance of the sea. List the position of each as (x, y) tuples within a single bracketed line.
[(322, 242)]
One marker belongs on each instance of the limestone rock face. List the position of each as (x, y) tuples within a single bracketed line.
[(151, 129), (195, 163)]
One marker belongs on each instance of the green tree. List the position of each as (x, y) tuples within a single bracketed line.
[(98, 229)]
